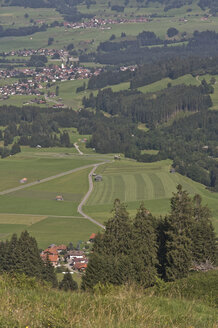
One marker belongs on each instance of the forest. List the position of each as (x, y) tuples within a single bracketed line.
[(142, 249)]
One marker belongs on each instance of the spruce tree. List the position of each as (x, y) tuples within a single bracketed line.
[(178, 243), (203, 236), (110, 261), (30, 262), (118, 231), (68, 283), (48, 273), (145, 248), (12, 258)]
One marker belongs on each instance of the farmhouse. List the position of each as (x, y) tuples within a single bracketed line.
[(98, 178), (117, 157), (59, 198), (80, 266)]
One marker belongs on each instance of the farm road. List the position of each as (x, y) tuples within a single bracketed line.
[(79, 209), (77, 148), (8, 191), (59, 175)]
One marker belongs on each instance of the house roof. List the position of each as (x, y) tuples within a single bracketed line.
[(62, 247), (52, 258), (51, 250), (93, 235), (80, 266)]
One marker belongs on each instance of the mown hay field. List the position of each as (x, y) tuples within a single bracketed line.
[(133, 183)]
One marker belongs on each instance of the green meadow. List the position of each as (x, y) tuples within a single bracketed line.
[(133, 183), (15, 16), (14, 168), (47, 230), (35, 209)]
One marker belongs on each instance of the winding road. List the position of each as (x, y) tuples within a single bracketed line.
[(79, 209)]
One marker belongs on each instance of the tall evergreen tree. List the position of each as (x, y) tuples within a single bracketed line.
[(68, 283), (48, 273), (178, 243), (145, 248), (203, 236)]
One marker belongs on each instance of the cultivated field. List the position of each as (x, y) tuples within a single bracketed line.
[(35, 208), (134, 182)]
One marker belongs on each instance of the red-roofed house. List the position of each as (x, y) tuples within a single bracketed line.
[(80, 266), (51, 257), (92, 237)]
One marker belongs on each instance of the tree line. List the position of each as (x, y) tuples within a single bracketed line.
[(141, 249), (201, 44), (146, 108), (22, 256), (21, 31)]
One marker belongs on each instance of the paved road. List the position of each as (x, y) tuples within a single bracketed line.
[(59, 175), (79, 209), (77, 148)]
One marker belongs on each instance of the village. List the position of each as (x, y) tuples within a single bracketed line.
[(30, 80), (68, 258), (102, 23)]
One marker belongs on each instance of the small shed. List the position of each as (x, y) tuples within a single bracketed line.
[(24, 180), (98, 178), (59, 198)]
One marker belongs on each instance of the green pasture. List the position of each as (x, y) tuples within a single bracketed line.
[(162, 84), (51, 230), (62, 231), (90, 38), (15, 16), (133, 183), (14, 168), (67, 91), (20, 100), (41, 199)]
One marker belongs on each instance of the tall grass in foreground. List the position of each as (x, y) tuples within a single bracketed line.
[(26, 303)]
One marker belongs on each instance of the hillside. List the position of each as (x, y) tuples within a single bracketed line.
[(26, 303)]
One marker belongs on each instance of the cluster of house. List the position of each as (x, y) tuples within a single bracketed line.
[(34, 79), (76, 259), (132, 68), (102, 23), (41, 51), (19, 88)]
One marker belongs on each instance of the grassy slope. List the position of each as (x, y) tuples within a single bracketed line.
[(34, 207), (134, 182), (14, 168), (24, 303)]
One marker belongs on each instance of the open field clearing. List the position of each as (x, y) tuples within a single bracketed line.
[(49, 229), (41, 199), (62, 230), (162, 84), (15, 16), (15, 168), (134, 182)]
